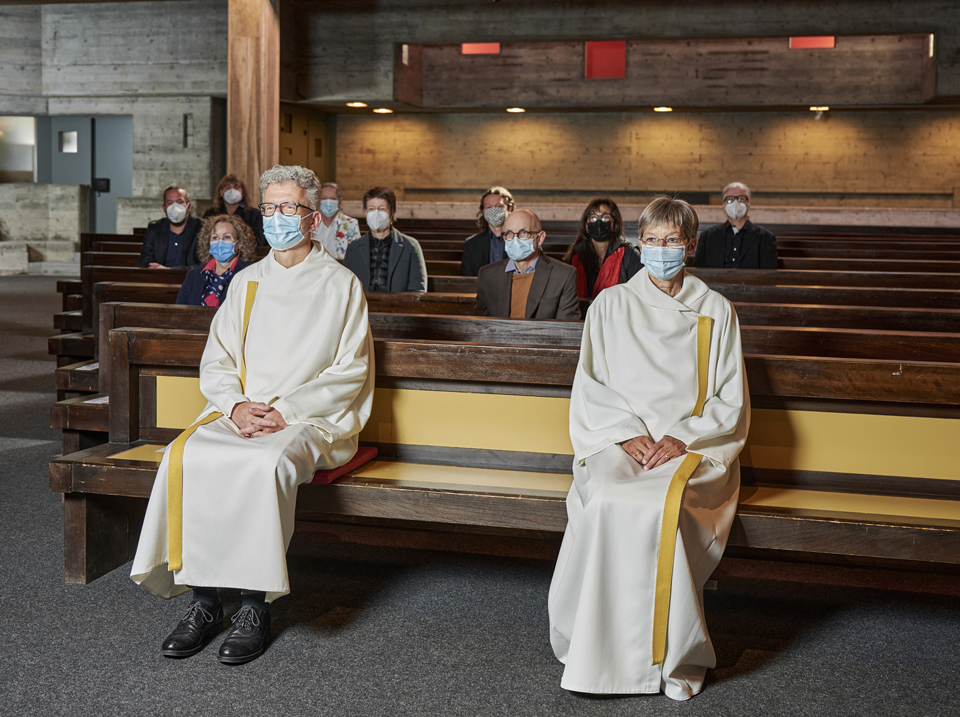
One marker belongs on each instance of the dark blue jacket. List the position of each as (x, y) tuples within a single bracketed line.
[(191, 292)]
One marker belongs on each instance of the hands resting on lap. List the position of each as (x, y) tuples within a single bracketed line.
[(649, 454), (256, 419)]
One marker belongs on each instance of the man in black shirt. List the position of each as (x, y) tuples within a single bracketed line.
[(737, 244), (171, 242)]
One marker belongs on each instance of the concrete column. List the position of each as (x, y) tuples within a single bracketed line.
[(253, 89)]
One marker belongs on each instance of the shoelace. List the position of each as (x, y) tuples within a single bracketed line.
[(192, 611), (246, 619)]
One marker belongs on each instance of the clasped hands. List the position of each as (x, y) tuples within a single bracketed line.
[(649, 454), (256, 419)]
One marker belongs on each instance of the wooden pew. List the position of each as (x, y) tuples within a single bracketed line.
[(849, 341), (782, 507)]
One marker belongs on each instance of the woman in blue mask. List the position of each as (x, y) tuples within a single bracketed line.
[(659, 412), (225, 246)]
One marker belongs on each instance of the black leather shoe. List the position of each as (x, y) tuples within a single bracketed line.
[(247, 639), (197, 626)]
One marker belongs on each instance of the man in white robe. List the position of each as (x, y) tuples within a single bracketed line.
[(288, 375), (658, 415)]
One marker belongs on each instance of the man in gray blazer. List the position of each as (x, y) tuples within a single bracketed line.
[(383, 258), (527, 284)]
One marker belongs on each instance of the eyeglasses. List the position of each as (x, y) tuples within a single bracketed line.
[(286, 208), (669, 241), (606, 218), (522, 234), (743, 199)]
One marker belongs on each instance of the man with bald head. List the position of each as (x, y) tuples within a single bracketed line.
[(738, 243), (527, 284)]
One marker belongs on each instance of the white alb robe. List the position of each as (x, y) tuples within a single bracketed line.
[(638, 376), (309, 354)]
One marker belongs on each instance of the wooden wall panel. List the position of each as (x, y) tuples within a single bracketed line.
[(346, 50), (904, 158), (253, 98), (688, 73)]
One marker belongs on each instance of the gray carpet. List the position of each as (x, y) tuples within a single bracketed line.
[(394, 631)]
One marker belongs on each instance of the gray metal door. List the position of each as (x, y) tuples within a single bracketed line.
[(113, 160)]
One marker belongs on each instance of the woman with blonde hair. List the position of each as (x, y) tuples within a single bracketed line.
[(225, 246)]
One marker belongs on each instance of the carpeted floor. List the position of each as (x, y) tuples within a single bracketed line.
[(374, 630)]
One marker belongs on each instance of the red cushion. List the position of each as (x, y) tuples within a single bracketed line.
[(363, 455)]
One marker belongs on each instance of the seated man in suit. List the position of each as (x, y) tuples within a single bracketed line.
[(737, 244), (171, 243), (487, 246), (383, 258), (527, 284)]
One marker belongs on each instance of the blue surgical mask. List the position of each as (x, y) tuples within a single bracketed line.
[(282, 232), (329, 207), (519, 249), (664, 262), (223, 251)]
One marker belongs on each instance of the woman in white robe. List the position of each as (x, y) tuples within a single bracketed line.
[(658, 415), (288, 375)]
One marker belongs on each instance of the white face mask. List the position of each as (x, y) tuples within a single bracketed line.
[(377, 220), (735, 210), (232, 196), (176, 213)]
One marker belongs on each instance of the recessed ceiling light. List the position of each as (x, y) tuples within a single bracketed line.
[(515, 109), (663, 109), (383, 111), (821, 108), (356, 104)]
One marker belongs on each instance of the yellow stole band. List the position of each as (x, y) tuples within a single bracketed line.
[(175, 464), (671, 507)]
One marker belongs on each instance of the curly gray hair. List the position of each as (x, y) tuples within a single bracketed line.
[(300, 176)]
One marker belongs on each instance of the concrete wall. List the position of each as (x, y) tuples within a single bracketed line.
[(163, 63), (900, 159), (44, 212), (21, 70)]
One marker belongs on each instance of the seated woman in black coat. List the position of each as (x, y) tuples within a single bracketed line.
[(232, 199), (601, 255), (225, 246)]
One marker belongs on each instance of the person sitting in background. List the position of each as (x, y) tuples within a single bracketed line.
[(171, 243), (527, 284), (601, 255), (232, 199), (336, 230), (738, 243), (487, 246), (383, 258), (226, 245)]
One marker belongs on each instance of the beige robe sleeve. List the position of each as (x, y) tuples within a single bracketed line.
[(720, 431), (339, 400), (220, 367), (599, 416)]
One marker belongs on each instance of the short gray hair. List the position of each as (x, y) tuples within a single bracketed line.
[(735, 185), (336, 188), (300, 176)]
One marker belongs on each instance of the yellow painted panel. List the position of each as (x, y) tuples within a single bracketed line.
[(179, 401), (470, 420), (787, 440), (851, 503), (454, 477), (853, 443), (149, 452)]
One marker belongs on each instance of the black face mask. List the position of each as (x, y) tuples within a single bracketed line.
[(599, 231)]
